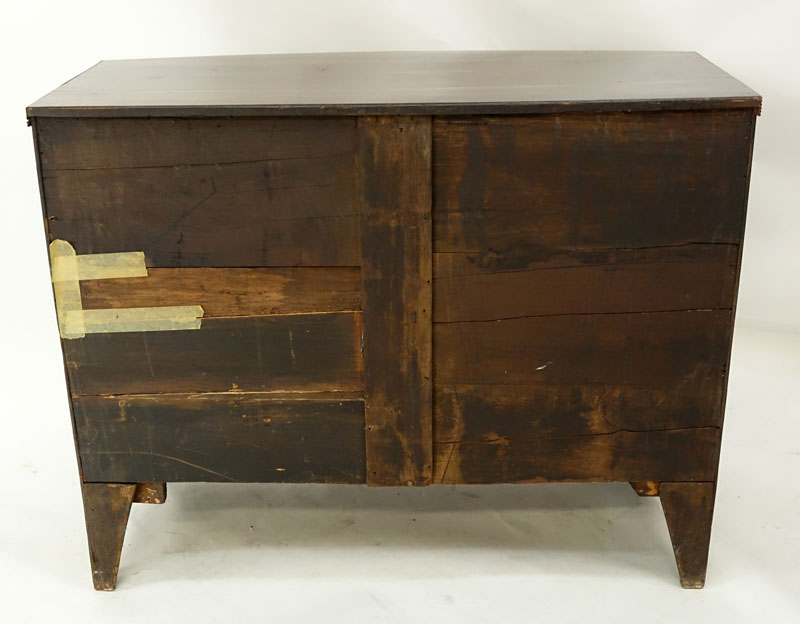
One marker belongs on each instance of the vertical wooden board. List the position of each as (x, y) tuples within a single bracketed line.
[(394, 167)]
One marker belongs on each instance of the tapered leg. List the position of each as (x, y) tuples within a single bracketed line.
[(106, 507), (689, 508), (646, 488)]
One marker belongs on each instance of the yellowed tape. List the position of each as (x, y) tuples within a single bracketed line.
[(75, 322), (66, 266), (111, 265), (166, 318), (66, 288)]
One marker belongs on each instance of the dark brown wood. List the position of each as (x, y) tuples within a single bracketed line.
[(106, 507), (455, 267), (258, 437), (738, 267), (150, 493), (579, 374), (311, 352), (233, 292), (355, 83), (646, 488), (677, 454), (683, 277), (395, 174), (39, 176), (519, 191), (689, 509), (211, 193)]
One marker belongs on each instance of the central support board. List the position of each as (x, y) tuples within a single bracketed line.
[(394, 171)]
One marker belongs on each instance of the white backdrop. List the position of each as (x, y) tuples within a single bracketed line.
[(45, 43)]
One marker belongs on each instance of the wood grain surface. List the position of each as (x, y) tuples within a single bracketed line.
[(395, 83), (204, 193), (310, 352), (517, 191), (264, 437), (616, 456), (233, 292), (689, 510), (395, 174), (106, 507), (683, 277), (584, 283)]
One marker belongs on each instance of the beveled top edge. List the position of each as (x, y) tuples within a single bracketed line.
[(376, 83)]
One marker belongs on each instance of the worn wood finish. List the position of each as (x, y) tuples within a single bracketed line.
[(677, 454), (516, 191), (233, 292), (685, 277), (204, 193), (579, 374), (395, 174), (428, 83), (455, 267), (311, 352), (646, 488), (689, 509), (263, 437), (150, 493), (106, 508)]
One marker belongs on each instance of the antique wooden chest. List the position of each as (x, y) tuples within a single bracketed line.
[(397, 269)]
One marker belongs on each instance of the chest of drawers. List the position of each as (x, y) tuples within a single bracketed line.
[(397, 269)]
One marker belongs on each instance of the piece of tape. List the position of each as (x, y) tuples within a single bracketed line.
[(67, 290), (165, 318), (68, 269), (66, 266)]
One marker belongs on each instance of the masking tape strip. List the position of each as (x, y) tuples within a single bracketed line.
[(66, 288), (166, 318), (66, 266), (110, 265), (75, 322)]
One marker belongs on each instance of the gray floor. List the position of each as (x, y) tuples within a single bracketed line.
[(549, 553)]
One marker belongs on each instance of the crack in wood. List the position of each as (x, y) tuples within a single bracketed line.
[(527, 316), (207, 164), (568, 436)]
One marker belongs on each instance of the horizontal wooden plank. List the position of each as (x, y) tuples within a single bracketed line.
[(151, 143), (579, 374), (232, 291), (681, 455), (192, 193), (299, 438), (317, 352), (639, 349), (519, 190), (476, 412), (596, 281)]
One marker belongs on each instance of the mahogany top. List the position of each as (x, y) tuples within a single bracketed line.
[(390, 83)]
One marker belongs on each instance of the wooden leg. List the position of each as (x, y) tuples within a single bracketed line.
[(151, 493), (106, 507), (646, 488), (688, 508)]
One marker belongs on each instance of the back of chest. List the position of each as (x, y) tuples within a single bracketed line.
[(452, 295)]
